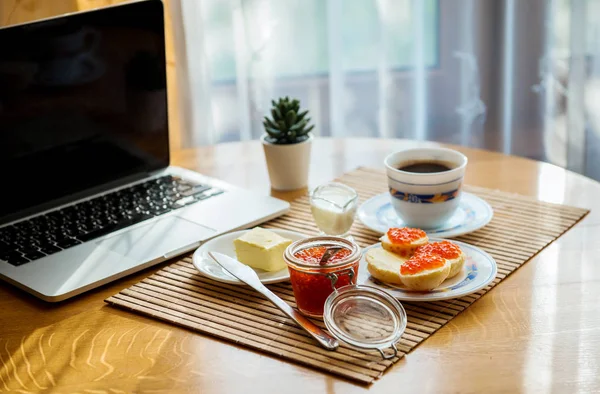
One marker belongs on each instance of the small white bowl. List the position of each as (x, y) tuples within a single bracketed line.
[(425, 200)]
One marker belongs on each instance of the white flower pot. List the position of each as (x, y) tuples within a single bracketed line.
[(288, 163)]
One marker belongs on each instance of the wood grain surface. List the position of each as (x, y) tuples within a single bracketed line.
[(539, 330)]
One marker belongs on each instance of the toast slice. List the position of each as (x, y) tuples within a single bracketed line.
[(456, 265), (384, 265)]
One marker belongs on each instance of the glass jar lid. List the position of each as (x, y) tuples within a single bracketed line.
[(365, 317)]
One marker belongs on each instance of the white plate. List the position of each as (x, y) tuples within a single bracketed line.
[(224, 244), (479, 270), (472, 214)]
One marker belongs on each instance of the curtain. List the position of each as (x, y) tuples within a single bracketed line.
[(519, 77)]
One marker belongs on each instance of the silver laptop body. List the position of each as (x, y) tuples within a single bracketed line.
[(84, 143)]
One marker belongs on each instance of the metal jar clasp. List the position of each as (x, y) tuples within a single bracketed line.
[(389, 356), (333, 277)]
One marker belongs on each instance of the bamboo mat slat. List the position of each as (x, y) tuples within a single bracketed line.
[(179, 295)]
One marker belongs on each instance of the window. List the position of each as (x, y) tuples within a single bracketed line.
[(295, 38)]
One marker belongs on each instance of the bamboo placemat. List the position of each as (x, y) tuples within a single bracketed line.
[(179, 295)]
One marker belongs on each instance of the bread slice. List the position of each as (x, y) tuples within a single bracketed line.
[(384, 265), (403, 250), (424, 279), (456, 265)]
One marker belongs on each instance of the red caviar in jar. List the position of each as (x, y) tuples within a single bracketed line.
[(405, 235), (315, 254), (310, 282), (446, 249), (420, 262)]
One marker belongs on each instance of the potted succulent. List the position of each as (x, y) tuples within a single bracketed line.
[(286, 142)]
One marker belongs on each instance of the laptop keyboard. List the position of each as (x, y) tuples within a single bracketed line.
[(44, 235)]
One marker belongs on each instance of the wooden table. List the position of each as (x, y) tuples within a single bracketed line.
[(539, 330)]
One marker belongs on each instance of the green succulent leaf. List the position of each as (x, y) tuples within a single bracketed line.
[(301, 115), (270, 123), (273, 132), (290, 118), (299, 126), (276, 114), (309, 129)]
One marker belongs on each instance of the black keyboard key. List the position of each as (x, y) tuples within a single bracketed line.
[(49, 249), (34, 255), (99, 233), (20, 244), (67, 242), (94, 234), (18, 260), (137, 218), (5, 247), (67, 233), (10, 255), (27, 250), (50, 237)]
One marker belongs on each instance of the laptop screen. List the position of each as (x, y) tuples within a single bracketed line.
[(83, 103)]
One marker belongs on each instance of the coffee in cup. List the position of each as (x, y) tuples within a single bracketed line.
[(425, 185)]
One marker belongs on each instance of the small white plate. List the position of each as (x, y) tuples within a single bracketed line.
[(479, 271), (224, 244), (472, 214)]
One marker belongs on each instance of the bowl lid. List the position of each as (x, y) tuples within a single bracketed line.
[(365, 317)]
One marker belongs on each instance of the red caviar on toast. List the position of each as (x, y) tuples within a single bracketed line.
[(403, 241)]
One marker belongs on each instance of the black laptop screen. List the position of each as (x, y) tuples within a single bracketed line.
[(83, 103)]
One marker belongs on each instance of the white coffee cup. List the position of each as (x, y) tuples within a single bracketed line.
[(425, 200)]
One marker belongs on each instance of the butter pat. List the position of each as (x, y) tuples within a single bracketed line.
[(262, 249)]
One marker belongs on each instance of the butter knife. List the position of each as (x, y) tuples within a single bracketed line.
[(249, 277)]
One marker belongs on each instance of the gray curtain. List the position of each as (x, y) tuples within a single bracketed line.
[(517, 76)]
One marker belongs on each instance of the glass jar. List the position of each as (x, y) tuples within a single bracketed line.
[(312, 280)]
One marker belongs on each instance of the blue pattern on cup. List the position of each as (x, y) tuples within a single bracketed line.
[(424, 198)]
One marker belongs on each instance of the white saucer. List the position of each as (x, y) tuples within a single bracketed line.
[(479, 271), (224, 244), (472, 214)]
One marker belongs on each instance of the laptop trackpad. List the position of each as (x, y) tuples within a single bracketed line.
[(156, 239)]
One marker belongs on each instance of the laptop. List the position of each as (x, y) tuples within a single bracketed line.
[(88, 194)]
